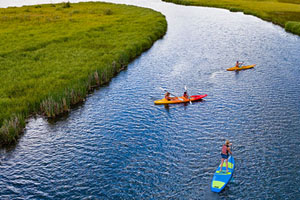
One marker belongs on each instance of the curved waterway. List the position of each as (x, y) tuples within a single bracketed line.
[(119, 145)]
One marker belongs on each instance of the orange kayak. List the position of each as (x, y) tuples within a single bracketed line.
[(240, 68), (180, 99)]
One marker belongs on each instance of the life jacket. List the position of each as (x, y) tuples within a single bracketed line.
[(224, 149)]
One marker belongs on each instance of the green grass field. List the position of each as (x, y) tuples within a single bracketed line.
[(285, 13), (51, 56)]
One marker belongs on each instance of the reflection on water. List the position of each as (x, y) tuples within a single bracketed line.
[(119, 145)]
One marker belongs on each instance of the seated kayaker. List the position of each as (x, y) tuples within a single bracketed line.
[(238, 64), (168, 98), (185, 95), (225, 154)]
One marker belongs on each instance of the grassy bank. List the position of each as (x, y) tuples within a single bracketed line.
[(285, 13), (51, 56)]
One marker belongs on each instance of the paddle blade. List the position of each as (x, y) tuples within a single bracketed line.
[(163, 89)]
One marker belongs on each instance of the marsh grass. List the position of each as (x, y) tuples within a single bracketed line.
[(293, 26), (52, 56), (285, 13)]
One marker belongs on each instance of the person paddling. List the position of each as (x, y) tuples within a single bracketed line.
[(238, 64), (185, 95), (225, 154), (168, 98)]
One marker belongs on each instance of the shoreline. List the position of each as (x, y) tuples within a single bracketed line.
[(70, 86), (286, 15)]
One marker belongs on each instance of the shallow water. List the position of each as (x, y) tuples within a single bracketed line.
[(119, 145)]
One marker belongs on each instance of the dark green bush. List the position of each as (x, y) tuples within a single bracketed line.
[(67, 5), (293, 27)]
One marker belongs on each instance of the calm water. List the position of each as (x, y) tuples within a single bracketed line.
[(119, 145)]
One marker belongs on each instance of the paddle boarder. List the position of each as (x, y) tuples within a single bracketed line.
[(225, 154)]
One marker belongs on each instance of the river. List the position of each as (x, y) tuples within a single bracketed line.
[(119, 145)]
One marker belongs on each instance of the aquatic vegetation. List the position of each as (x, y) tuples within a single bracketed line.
[(52, 55), (285, 13)]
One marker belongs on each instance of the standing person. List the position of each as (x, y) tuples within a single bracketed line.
[(225, 154)]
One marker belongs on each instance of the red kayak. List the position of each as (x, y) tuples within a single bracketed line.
[(180, 99)]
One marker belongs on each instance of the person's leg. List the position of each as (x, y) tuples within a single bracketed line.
[(227, 165), (222, 161)]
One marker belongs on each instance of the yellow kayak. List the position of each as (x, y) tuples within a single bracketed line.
[(240, 68), (180, 100)]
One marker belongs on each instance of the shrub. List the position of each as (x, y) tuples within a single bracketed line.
[(108, 12), (293, 27), (67, 5)]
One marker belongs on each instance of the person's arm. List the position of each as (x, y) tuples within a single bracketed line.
[(229, 150)]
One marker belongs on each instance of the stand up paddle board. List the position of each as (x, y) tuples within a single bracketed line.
[(221, 179)]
